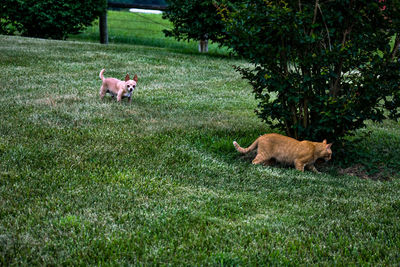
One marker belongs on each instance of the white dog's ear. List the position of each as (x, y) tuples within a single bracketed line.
[(135, 78), (127, 77)]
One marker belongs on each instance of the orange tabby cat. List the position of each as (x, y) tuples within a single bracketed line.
[(287, 150)]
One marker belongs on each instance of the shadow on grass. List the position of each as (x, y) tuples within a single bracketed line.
[(370, 154)]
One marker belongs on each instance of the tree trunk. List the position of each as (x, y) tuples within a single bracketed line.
[(103, 28), (203, 44)]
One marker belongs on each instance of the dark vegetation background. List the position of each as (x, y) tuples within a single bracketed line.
[(141, 2), (48, 18)]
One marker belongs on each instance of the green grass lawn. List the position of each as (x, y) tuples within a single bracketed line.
[(157, 181), (141, 29)]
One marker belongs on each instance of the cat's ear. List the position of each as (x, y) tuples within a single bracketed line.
[(324, 142), (328, 146)]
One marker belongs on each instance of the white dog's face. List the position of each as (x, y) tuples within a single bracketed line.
[(130, 85)]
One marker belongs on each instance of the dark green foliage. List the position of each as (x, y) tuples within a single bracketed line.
[(140, 2), (322, 68), (194, 20), (47, 18)]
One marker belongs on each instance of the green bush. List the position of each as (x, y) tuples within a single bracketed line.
[(140, 2), (194, 20), (322, 68), (48, 18)]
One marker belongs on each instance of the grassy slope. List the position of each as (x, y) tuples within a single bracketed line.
[(142, 29), (86, 182)]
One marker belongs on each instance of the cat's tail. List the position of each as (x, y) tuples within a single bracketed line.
[(101, 74), (245, 150)]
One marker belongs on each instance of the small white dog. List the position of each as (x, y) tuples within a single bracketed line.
[(117, 87)]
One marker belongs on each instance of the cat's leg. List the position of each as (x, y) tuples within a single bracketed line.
[(267, 163), (260, 158), (299, 165), (311, 167)]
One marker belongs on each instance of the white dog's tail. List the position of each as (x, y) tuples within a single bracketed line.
[(101, 74)]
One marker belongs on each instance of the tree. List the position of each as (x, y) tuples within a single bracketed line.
[(321, 68), (48, 18), (194, 20)]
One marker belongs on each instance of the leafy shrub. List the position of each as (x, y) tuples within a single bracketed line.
[(322, 68), (140, 2), (194, 20), (48, 18)]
